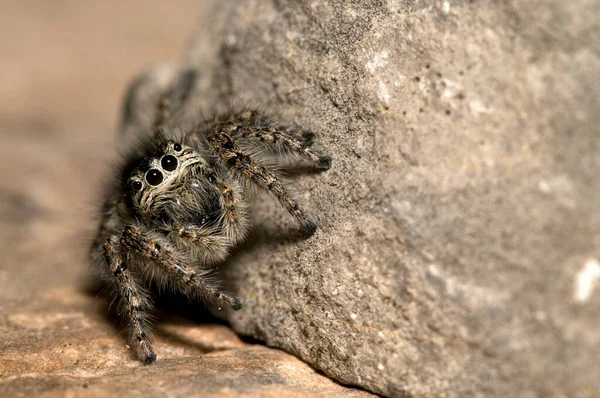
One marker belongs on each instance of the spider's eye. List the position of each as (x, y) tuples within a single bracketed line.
[(154, 177), (211, 178), (168, 162), (137, 185), (176, 147)]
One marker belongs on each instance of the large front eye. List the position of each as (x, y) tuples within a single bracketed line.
[(169, 162), (154, 177)]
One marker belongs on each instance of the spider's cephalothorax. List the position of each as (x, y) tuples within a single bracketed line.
[(182, 204)]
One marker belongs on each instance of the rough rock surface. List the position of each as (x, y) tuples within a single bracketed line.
[(459, 234)]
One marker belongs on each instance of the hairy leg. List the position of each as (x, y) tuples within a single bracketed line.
[(184, 276), (234, 217), (132, 298), (231, 155), (254, 126), (211, 246), (109, 222), (259, 120)]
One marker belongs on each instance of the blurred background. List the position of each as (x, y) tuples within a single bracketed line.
[(65, 64), (64, 68)]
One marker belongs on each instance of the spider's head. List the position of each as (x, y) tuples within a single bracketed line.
[(154, 174)]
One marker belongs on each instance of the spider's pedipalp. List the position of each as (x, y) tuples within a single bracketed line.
[(233, 208)]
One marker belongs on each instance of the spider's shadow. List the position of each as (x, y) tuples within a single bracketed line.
[(293, 171), (261, 235)]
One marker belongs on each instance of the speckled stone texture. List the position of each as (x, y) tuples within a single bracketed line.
[(459, 234)]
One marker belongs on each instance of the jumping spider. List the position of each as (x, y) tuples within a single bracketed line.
[(181, 205)]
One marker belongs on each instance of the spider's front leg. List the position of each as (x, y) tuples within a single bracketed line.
[(132, 298), (234, 158), (188, 279), (254, 126)]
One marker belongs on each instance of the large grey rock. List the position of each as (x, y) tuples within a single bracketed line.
[(460, 224)]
